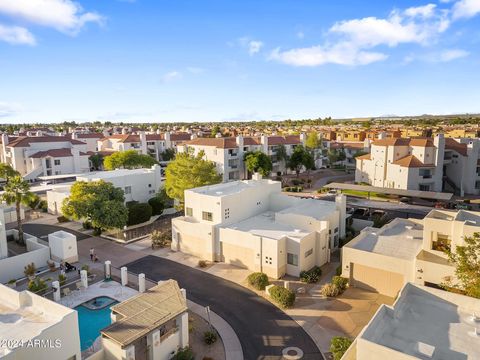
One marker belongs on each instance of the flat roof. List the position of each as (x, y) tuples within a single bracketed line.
[(265, 225), (232, 187), (59, 177), (317, 209), (400, 192), (114, 173), (402, 238), (21, 321), (425, 316)]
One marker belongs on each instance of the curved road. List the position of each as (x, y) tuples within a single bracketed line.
[(42, 230), (262, 328)]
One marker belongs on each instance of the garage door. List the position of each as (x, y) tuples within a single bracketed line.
[(381, 281), (238, 256)]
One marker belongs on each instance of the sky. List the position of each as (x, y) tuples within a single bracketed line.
[(226, 60)]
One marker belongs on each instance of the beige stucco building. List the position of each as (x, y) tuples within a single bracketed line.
[(251, 224), (407, 250)]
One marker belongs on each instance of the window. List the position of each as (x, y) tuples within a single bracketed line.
[(149, 185), (308, 253), (227, 213), (292, 259), (128, 189), (207, 216), (477, 184), (443, 243), (56, 162), (336, 230), (268, 260), (189, 211)]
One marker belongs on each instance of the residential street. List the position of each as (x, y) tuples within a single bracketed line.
[(263, 329)]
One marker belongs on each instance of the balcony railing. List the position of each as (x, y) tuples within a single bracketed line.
[(168, 334)]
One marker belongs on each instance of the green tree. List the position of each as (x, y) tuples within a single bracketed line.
[(313, 142), (301, 158), (281, 154), (335, 155), (17, 191), (168, 154), (257, 161), (128, 159), (338, 346), (96, 161), (466, 260), (6, 171), (97, 202), (215, 130), (360, 153), (188, 171)]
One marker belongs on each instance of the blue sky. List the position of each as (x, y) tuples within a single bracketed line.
[(222, 60)]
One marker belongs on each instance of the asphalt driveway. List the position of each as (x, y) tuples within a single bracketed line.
[(42, 230), (264, 330)]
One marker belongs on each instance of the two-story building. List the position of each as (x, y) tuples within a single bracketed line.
[(251, 224)]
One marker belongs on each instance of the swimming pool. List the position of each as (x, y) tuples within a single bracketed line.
[(93, 316)]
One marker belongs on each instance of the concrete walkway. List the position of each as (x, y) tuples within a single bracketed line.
[(231, 343)]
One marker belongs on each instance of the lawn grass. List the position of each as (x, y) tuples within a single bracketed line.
[(365, 194)]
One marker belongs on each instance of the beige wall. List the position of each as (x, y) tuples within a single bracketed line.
[(193, 238)]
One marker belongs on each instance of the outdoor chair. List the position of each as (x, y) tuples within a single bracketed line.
[(66, 292)]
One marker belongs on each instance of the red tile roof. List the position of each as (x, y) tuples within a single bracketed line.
[(53, 153), (452, 144), (220, 143), (364, 157), (24, 141), (411, 161)]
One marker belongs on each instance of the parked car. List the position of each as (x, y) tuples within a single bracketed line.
[(405, 200)]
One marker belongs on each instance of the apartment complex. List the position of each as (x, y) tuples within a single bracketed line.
[(438, 164), (227, 153), (407, 250), (34, 156), (33, 327), (423, 323), (251, 224)]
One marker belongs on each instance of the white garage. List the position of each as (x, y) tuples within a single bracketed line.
[(384, 282)]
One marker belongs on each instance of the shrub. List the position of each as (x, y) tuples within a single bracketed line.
[(97, 232), (62, 219), (160, 239), (202, 263), (139, 213), (12, 281), (87, 225), (62, 279), (338, 271), (86, 268), (311, 276), (157, 205), (340, 282), (30, 269), (282, 296), (258, 280), (37, 285), (330, 290), (184, 354), (209, 337), (43, 205), (338, 346), (296, 182)]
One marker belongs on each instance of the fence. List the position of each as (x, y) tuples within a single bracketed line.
[(116, 274)]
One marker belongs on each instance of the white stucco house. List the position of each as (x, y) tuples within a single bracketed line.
[(407, 250), (138, 185), (251, 224)]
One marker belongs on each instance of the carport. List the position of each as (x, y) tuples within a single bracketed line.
[(428, 195)]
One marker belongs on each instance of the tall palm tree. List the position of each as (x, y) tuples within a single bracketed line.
[(7, 172), (17, 191)]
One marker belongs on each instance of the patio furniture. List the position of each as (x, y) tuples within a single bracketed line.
[(66, 292)]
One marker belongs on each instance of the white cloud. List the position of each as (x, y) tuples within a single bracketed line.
[(16, 35), (254, 47), (171, 76), (465, 9), (342, 53), (453, 54), (424, 11), (300, 34), (63, 15), (351, 42), (195, 70)]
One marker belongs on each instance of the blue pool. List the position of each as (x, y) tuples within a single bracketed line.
[(93, 316)]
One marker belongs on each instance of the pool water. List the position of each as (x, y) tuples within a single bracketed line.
[(90, 322)]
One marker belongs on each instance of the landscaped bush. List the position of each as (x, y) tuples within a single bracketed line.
[(43, 205), (97, 232), (209, 337), (282, 296), (202, 263), (37, 285), (258, 280), (184, 354), (87, 225), (160, 239), (330, 290), (338, 346), (311, 276), (62, 279), (340, 282), (30, 270), (139, 213), (338, 271), (157, 205), (62, 219)]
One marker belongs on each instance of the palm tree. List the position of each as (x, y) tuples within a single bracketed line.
[(7, 172), (17, 191)]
